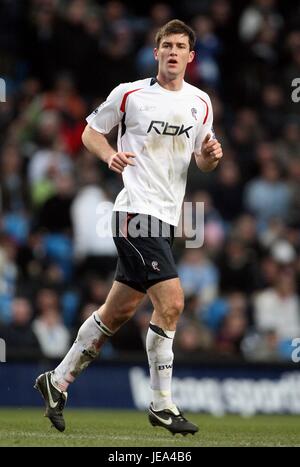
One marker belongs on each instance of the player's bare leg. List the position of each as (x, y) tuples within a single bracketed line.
[(119, 307), (168, 301)]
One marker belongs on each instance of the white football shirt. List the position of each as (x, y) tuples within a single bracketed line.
[(162, 128)]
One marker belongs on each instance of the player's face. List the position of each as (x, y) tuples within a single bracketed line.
[(173, 55)]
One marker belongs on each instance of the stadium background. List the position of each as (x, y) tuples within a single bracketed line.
[(59, 60)]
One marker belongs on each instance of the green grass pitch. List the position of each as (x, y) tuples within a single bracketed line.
[(120, 428)]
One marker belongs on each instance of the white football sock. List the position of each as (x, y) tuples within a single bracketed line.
[(159, 345), (90, 338)]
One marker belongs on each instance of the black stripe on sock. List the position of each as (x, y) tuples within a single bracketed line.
[(103, 328), (158, 330)]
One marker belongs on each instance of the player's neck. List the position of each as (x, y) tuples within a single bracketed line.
[(170, 84)]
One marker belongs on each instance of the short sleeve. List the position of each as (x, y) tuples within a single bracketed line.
[(206, 126), (108, 114)]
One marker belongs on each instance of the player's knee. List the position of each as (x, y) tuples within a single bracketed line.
[(176, 307)]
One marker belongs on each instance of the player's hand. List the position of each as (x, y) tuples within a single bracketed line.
[(118, 161), (211, 149)]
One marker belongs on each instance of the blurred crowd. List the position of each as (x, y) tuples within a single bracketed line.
[(59, 59)]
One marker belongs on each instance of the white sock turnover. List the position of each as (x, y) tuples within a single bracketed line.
[(159, 345)]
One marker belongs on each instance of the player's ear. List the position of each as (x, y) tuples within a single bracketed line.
[(191, 56), (155, 53)]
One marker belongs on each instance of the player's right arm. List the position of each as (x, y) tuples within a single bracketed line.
[(97, 144), (100, 122)]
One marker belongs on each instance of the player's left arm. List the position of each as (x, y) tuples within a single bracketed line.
[(208, 150), (210, 155)]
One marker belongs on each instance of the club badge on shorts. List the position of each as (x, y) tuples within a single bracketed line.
[(154, 265)]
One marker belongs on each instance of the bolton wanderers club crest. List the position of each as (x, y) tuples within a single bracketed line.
[(194, 113), (155, 266)]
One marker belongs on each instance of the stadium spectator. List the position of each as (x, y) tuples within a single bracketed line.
[(277, 310), (52, 335), (234, 325), (18, 334), (268, 196), (198, 275)]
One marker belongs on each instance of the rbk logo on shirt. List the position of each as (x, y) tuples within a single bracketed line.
[(164, 128)]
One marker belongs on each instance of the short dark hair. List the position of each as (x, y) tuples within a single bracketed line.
[(176, 27)]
